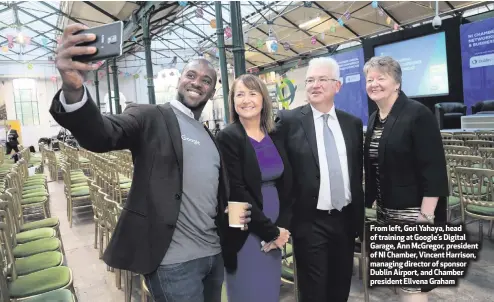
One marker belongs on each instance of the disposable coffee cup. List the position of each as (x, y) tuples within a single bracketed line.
[(235, 210)]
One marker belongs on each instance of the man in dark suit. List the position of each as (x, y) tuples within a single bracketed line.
[(12, 140), (169, 229), (324, 146)]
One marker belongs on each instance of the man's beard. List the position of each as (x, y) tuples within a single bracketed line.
[(181, 99)]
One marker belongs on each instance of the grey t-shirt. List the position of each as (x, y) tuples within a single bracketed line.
[(195, 235)]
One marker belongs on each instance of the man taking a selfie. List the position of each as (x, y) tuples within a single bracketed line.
[(169, 229)]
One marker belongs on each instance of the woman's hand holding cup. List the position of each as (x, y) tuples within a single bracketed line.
[(238, 214)]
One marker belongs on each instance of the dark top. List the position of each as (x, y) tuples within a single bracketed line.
[(244, 176), (411, 159), (297, 128), (152, 133)]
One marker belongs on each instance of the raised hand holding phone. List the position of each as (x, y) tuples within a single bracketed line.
[(70, 70)]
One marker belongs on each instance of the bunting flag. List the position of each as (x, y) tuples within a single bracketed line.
[(27, 40), (228, 32), (313, 40), (30, 66), (375, 4), (213, 23), (286, 46), (10, 39), (44, 41), (5, 48), (396, 27), (199, 13)]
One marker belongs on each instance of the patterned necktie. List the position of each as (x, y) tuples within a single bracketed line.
[(334, 167)]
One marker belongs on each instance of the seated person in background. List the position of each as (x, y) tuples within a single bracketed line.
[(259, 173)]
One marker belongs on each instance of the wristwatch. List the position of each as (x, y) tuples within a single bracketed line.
[(430, 218)]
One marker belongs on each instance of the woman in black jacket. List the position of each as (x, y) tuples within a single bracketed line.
[(259, 174), (404, 158)]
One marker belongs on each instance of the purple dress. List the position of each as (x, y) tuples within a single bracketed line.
[(258, 274)]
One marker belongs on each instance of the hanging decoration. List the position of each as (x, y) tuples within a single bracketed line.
[(313, 40), (134, 39), (380, 11), (307, 3), (332, 28), (286, 46), (44, 41), (271, 44), (347, 15), (374, 4), (259, 43), (300, 45), (136, 76), (182, 3), (30, 66), (5, 48), (323, 35), (396, 27), (228, 32), (199, 12), (212, 23), (388, 20), (340, 22), (10, 39)]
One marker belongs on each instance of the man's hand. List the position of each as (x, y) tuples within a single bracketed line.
[(245, 217), (72, 71)]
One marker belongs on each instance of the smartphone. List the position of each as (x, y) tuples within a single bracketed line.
[(108, 42)]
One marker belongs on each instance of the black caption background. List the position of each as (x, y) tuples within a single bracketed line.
[(418, 254)]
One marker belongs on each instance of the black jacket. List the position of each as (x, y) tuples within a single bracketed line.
[(412, 163), (297, 127), (244, 177), (12, 138), (146, 225)]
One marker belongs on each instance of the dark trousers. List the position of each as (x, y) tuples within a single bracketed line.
[(325, 257), (198, 280), (11, 147)]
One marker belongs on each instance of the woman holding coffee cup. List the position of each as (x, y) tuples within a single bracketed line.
[(259, 174)]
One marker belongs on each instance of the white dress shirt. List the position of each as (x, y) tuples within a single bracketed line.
[(324, 202), (75, 106)]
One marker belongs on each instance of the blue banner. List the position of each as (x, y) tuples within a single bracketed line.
[(352, 97), (477, 59)]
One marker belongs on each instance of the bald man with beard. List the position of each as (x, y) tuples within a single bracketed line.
[(170, 227)]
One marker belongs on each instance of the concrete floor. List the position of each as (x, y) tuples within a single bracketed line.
[(93, 283)]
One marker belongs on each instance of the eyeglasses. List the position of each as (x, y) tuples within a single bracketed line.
[(323, 81)]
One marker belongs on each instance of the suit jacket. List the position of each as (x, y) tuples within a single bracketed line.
[(412, 163), (245, 185), (146, 225), (298, 129)]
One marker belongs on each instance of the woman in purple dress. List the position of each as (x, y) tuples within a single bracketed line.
[(258, 173)]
